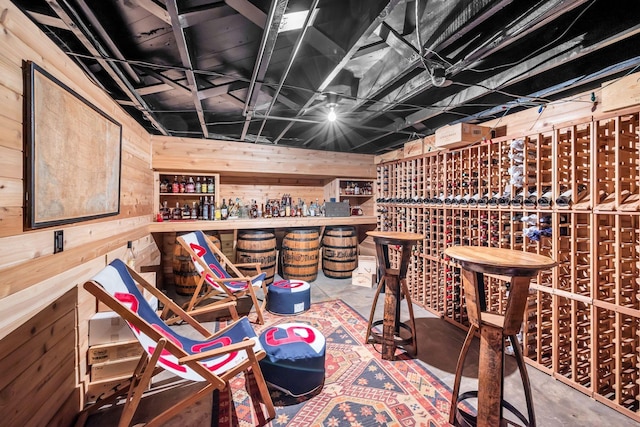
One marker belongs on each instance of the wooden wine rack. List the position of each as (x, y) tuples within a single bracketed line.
[(582, 321)]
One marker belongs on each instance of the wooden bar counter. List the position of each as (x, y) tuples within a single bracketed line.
[(252, 224)]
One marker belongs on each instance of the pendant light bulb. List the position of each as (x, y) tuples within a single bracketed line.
[(332, 115)]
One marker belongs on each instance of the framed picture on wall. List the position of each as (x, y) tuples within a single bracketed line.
[(72, 154)]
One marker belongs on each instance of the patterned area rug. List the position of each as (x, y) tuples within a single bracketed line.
[(360, 388)]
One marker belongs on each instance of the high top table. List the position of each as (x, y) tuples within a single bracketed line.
[(519, 267), (395, 286)]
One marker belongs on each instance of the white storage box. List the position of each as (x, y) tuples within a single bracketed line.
[(108, 327)]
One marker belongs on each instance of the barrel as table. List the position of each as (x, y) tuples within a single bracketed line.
[(257, 246), (339, 251), (300, 249), (185, 275)]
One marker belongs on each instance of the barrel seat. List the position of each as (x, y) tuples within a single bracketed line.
[(289, 297), (295, 358)]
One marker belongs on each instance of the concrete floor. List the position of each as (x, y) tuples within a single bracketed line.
[(439, 344)]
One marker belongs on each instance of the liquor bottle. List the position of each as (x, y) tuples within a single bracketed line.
[(164, 186), (204, 187), (217, 212), (166, 212), (177, 212), (175, 185), (130, 256), (183, 185), (205, 209), (212, 209), (224, 210), (198, 188), (194, 211), (191, 186), (186, 212), (210, 186)]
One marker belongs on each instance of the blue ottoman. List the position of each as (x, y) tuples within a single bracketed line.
[(294, 362), (289, 297)]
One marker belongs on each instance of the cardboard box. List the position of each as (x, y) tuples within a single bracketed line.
[(108, 327), (461, 134), (113, 351), (413, 148), (113, 368), (95, 389), (367, 264), (363, 279)]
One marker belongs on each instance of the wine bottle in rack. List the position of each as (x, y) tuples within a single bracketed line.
[(473, 201), (484, 200), (531, 200), (505, 199), (493, 201), (518, 199), (464, 201), (546, 199), (565, 199)]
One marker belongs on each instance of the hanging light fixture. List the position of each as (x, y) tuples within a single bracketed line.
[(438, 78), (332, 116)]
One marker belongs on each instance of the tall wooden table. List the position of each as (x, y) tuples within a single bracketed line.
[(394, 284), (519, 267)]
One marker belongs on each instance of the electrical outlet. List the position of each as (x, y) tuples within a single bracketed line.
[(58, 241)]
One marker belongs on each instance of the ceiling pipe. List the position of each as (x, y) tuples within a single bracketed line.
[(267, 45), (307, 21)]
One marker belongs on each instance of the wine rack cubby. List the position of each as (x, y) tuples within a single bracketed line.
[(571, 192)]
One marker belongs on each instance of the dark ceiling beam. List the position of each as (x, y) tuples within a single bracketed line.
[(281, 98), (263, 58), (151, 89), (567, 52), (106, 39), (249, 11), (362, 35), (514, 31), (323, 44), (95, 48), (214, 11), (350, 124), (294, 54), (185, 57), (49, 21), (155, 9), (166, 80)]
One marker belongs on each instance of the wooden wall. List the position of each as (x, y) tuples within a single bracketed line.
[(32, 277)]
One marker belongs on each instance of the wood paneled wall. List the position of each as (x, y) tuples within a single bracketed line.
[(32, 277)]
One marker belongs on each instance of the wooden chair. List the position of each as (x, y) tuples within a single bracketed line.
[(212, 360), (214, 268)]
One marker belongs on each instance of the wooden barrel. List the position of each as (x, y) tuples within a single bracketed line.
[(257, 246), (339, 252), (300, 254), (185, 275)]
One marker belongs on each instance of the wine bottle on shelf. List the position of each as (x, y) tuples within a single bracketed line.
[(224, 210), (565, 199), (493, 201), (194, 210), (484, 200), (175, 185), (473, 201), (210, 186), (191, 186), (177, 212), (464, 201), (205, 208), (183, 185), (203, 186), (198, 188), (546, 199)]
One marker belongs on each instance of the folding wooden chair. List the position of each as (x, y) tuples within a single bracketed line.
[(213, 360), (214, 268)]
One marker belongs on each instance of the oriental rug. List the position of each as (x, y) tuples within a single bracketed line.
[(360, 388)]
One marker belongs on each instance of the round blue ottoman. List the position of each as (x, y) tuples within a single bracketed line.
[(294, 362), (289, 297)]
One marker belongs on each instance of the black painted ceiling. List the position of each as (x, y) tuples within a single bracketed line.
[(221, 69)]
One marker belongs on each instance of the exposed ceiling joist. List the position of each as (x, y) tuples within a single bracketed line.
[(249, 11), (155, 9), (185, 56)]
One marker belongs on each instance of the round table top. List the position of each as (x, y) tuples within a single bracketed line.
[(395, 235), (498, 260)]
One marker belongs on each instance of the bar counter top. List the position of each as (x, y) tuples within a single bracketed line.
[(247, 224)]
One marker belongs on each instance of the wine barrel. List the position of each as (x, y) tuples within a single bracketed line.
[(257, 246), (300, 255), (185, 275), (340, 252)]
